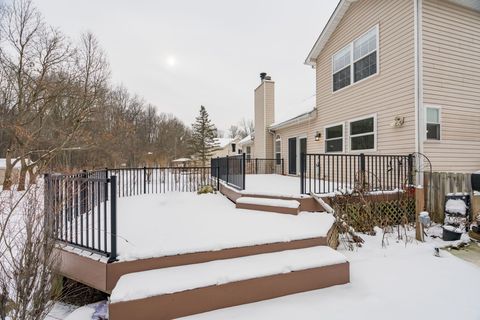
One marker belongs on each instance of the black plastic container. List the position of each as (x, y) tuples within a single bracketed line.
[(451, 235), (476, 181)]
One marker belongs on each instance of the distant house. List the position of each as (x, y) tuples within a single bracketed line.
[(246, 146), (227, 147), (392, 77)]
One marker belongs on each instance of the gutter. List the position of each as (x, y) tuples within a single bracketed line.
[(419, 114)]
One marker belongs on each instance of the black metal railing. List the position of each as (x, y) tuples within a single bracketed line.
[(231, 170), (137, 181), (81, 208), (264, 166), (79, 213), (328, 173)]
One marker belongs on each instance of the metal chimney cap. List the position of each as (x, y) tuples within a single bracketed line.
[(263, 75)]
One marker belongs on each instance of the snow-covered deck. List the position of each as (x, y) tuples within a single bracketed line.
[(272, 185), (151, 226)]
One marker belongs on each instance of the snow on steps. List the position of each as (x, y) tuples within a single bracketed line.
[(269, 204), (185, 290)]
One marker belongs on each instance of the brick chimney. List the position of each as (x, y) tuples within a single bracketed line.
[(264, 116)]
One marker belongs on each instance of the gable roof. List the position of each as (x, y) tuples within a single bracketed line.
[(340, 11)]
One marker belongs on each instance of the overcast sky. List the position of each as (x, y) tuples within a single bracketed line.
[(181, 54)]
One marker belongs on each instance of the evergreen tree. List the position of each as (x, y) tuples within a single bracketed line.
[(204, 134)]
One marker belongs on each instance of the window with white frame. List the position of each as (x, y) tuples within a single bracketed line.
[(362, 134), (433, 123), (334, 138), (248, 154), (278, 150), (341, 68), (356, 61)]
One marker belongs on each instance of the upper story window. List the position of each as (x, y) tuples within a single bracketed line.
[(341, 68), (362, 134), (356, 61), (433, 123), (233, 147), (334, 138)]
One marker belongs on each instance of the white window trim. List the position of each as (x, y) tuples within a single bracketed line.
[(439, 108), (352, 62), (247, 153), (375, 132), (325, 137), (300, 137)]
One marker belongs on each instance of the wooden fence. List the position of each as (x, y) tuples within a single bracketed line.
[(438, 185)]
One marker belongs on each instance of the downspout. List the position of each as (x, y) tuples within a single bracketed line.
[(419, 123), (419, 112)]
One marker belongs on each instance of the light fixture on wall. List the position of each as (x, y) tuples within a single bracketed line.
[(318, 135)]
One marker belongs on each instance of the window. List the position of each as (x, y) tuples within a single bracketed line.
[(357, 61), (233, 147), (278, 150), (334, 138), (239, 151), (341, 69), (433, 123), (362, 134), (249, 152), (365, 55)]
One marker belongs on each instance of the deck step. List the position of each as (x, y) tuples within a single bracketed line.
[(269, 204), (175, 292)]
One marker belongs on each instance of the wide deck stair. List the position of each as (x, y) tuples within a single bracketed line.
[(174, 292)]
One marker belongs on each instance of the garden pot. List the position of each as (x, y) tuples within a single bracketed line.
[(449, 235)]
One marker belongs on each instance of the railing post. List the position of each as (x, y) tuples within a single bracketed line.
[(302, 172), (217, 168), (113, 219), (283, 167), (83, 193), (256, 165), (46, 204), (410, 169), (144, 180), (228, 171), (362, 170), (243, 171)]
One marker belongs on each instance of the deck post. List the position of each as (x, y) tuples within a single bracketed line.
[(256, 165), (302, 173), (243, 171), (113, 219), (362, 171), (283, 167), (106, 184), (217, 168), (227, 170)]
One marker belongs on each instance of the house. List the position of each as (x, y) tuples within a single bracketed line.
[(392, 77), (226, 147), (247, 146)]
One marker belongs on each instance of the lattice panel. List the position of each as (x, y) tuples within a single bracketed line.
[(393, 212)]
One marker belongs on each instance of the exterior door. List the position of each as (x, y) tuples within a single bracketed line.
[(292, 156), (302, 148)]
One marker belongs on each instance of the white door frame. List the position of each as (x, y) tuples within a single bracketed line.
[(303, 136)]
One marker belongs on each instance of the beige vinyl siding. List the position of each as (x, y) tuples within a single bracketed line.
[(269, 115), (451, 80), (388, 93)]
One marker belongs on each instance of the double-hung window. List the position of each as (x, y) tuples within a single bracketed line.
[(278, 150), (433, 123), (365, 55), (356, 61), (362, 134), (249, 152), (334, 138), (342, 69)]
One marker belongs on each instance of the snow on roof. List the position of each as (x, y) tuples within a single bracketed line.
[(246, 140), (223, 142), (294, 120)]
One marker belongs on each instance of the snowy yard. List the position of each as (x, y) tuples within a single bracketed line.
[(181, 222)]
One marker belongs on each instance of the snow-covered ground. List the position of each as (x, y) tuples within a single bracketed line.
[(401, 281), (176, 223)]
